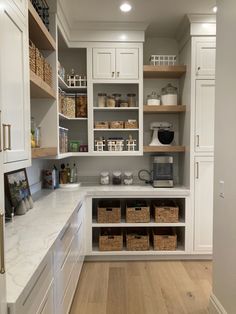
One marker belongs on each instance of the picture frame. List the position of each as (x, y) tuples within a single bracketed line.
[(18, 190)]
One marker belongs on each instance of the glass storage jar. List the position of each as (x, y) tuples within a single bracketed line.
[(117, 99), (104, 178), (128, 178), (153, 99), (131, 98), (116, 178), (111, 102), (102, 97), (169, 95)]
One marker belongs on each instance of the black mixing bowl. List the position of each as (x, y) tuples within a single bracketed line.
[(166, 136)]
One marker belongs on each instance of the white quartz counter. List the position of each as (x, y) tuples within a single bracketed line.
[(29, 237)]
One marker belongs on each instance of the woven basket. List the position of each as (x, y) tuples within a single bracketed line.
[(116, 125), (137, 241), (47, 73), (111, 240), (101, 125), (32, 56), (39, 64), (109, 211), (131, 124), (164, 239), (166, 211), (137, 211)]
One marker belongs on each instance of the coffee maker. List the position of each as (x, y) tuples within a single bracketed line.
[(163, 171)]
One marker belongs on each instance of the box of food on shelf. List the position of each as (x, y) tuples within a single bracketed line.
[(111, 239), (117, 124), (137, 240), (74, 146), (164, 239)]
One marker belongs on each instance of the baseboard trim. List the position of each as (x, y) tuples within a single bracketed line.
[(215, 306)]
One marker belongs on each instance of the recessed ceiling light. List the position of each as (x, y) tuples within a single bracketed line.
[(125, 7), (215, 9)]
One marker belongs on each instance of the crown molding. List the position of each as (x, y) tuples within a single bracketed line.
[(63, 23), (110, 26)]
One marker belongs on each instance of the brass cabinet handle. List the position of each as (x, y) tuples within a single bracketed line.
[(197, 140), (9, 136), (0, 131), (5, 147), (197, 170), (2, 258)]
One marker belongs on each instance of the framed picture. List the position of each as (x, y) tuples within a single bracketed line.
[(17, 186)]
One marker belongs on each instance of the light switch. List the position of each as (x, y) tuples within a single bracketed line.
[(222, 189)]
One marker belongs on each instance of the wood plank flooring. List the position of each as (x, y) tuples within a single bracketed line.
[(155, 287)]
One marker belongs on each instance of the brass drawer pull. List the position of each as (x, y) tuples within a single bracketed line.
[(2, 258), (0, 131), (5, 147)]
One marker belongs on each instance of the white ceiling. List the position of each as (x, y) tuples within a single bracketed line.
[(162, 16)]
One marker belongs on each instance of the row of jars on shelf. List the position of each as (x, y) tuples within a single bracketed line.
[(116, 178), (116, 100)]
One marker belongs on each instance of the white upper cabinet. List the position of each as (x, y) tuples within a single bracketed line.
[(205, 58), (204, 178), (115, 63), (204, 115), (14, 87), (104, 63), (127, 64)]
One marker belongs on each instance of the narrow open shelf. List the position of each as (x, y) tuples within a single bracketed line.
[(117, 130), (115, 108), (163, 71), (164, 109), (38, 32), (43, 152), (79, 89), (164, 149), (40, 89), (63, 117)]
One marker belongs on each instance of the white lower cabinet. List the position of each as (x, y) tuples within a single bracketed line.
[(203, 212), (47, 306)]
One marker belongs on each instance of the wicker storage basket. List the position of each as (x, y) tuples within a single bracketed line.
[(111, 240), (101, 125), (116, 125), (137, 211), (47, 73), (131, 124), (39, 64), (32, 56), (166, 211), (164, 239), (109, 211), (137, 240)]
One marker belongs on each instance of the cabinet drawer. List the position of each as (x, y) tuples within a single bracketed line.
[(35, 292), (47, 306), (78, 216)]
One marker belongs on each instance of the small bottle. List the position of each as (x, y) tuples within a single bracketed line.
[(63, 174), (68, 172), (74, 174), (57, 177)]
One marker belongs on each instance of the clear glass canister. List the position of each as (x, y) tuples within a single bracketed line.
[(169, 95), (117, 99), (131, 100), (104, 178), (116, 178), (128, 178), (153, 99), (111, 102), (102, 97)]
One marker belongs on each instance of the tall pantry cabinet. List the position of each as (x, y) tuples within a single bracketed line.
[(203, 105), (14, 86)]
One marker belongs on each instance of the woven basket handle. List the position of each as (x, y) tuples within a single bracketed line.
[(109, 209), (138, 208)]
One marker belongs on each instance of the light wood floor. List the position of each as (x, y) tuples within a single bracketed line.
[(158, 287)]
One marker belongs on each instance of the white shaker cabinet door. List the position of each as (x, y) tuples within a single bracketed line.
[(203, 211), (127, 64), (204, 115), (205, 59), (21, 5), (14, 86), (104, 63)]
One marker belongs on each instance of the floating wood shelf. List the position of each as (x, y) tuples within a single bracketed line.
[(163, 71), (44, 152), (63, 117), (62, 84), (164, 109), (38, 32), (115, 108), (164, 149), (40, 89), (117, 130)]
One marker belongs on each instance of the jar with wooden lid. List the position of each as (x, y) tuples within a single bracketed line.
[(102, 97), (117, 99), (111, 101), (131, 99)]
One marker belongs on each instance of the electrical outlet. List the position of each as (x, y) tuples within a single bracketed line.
[(222, 189)]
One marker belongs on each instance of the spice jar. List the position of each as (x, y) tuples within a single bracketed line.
[(128, 178), (111, 101), (117, 99), (153, 99), (131, 98), (102, 99), (169, 95), (116, 178), (104, 178)]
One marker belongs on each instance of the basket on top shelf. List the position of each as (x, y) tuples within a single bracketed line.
[(166, 211), (109, 211), (137, 240), (164, 239)]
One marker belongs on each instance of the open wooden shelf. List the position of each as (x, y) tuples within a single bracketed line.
[(116, 130), (164, 149), (163, 71), (38, 32), (164, 109), (63, 117), (40, 89), (43, 152)]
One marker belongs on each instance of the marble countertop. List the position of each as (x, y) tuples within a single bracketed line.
[(30, 237)]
